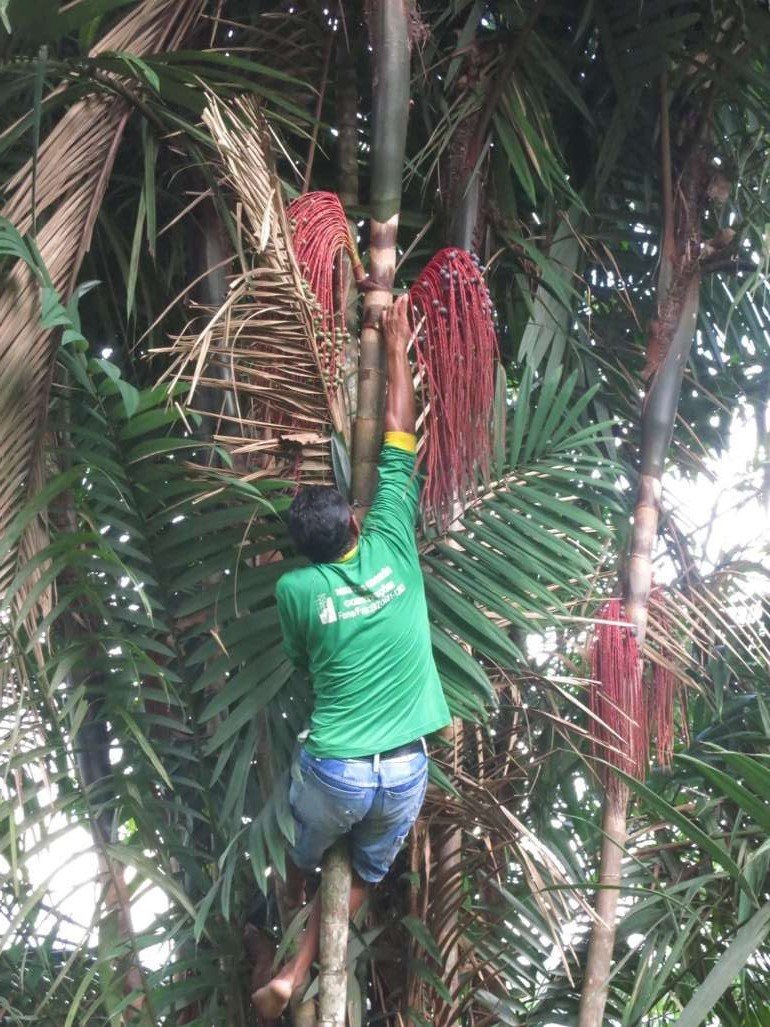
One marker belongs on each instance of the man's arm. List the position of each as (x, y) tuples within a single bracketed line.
[(399, 406), (394, 509)]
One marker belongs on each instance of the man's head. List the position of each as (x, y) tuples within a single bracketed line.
[(321, 523)]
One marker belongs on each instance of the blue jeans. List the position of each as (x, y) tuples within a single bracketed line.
[(375, 805)]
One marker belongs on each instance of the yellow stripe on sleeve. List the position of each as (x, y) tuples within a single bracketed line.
[(401, 440)]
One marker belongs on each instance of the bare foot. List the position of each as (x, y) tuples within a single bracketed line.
[(271, 1000)]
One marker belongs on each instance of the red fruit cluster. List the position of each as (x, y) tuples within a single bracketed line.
[(320, 235), (456, 352), (628, 712)]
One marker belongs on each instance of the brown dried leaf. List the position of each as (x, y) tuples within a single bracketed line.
[(260, 349)]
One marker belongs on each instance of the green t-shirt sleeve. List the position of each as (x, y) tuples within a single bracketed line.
[(394, 511), (293, 636)]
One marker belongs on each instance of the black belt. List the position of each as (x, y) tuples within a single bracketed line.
[(404, 750), (418, 745)]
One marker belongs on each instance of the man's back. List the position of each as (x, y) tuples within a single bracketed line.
[(360, 627)]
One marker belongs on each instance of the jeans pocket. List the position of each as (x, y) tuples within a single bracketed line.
[(332, 782), (403, 807), (409, 795), (406, 777)]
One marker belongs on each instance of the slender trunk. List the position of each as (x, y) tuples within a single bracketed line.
[(212, 247), (304, 1014), (390, 110), (121, 974), (446, 897), (122, 971), (333, 942), (596, 981), (658, 416), (388, 25), (474, 138), (670, 338), (347, 123), (464, 223)]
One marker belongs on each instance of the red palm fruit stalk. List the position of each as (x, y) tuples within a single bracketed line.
[(456, 353), (619, 735), (320, 236), (665, 688)]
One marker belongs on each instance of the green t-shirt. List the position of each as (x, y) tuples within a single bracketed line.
[(359, 626)]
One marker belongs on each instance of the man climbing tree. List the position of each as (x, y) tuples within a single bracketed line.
[(357, 621)]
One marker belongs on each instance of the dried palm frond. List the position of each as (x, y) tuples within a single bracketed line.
[(74, 163), (260, 347), (494, 838)]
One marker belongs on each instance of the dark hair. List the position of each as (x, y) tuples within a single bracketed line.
[(319, 522)]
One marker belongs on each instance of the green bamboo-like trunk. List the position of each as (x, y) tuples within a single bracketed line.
[(388, 25), (670, 339), (389, 31), (346, 108)]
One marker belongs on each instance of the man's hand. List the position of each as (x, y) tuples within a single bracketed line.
[(395, 325), (399, 405)]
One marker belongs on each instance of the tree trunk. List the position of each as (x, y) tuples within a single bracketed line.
[(333, 943), (347, 122), (390, 110), (211, 253), (596, 982), (670, 337), (388, 25), (447, 891), (658, 416)]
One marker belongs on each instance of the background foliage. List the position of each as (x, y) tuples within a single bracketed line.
[(148, 699)]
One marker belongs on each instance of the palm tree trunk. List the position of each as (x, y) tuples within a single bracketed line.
[(346, 97), (596, 980), (333, 942), (212, 248), (447, 892), (669, 341), (388, 25), (389, 30), (658, 415)]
